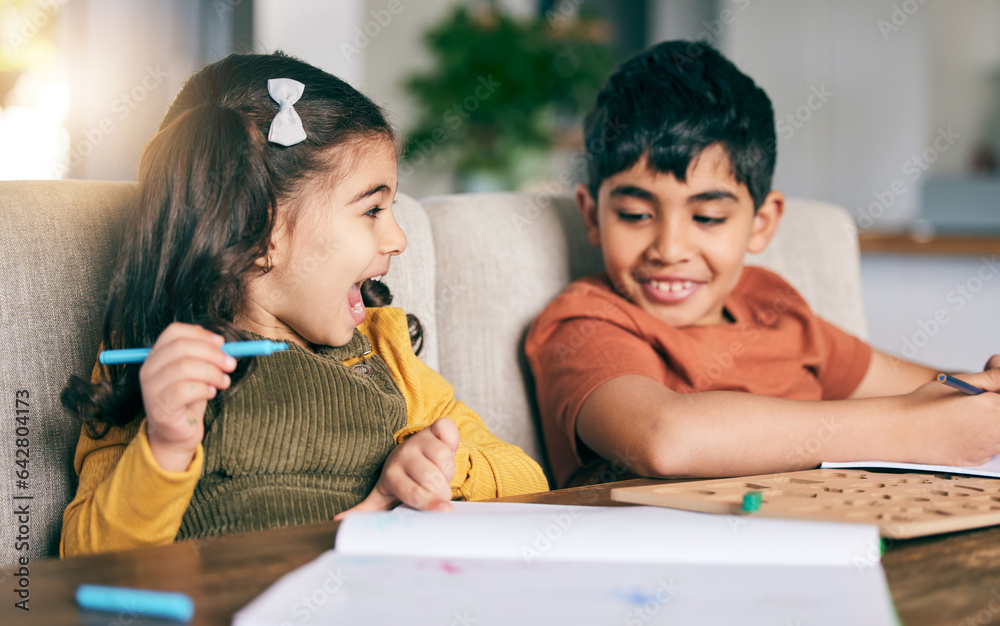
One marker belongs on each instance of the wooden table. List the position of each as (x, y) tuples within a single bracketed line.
[(949, 579)]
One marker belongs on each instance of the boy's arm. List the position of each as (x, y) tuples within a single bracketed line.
[(721, 433), (889, 375)]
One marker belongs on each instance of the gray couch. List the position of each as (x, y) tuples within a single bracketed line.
[(477, 269)]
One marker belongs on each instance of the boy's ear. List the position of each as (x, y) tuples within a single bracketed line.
[(765, 222), (588, 209)]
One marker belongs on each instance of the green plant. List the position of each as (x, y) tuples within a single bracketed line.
[(502, 89)]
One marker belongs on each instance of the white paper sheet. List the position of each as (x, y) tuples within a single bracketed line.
[(990, 469), (417, 591), (595, 533), (500, 563)]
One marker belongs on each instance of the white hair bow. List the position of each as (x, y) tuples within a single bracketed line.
[(286, 127)]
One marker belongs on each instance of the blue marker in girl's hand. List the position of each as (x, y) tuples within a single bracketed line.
[(261, 347)]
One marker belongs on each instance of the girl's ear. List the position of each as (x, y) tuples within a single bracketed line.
[(266, 261), (588, 209), (277, 251), (765, 222)]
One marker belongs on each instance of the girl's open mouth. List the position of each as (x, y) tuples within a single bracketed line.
[(355, 304)]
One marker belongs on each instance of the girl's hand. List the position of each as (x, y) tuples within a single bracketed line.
[(417, 473), (993, 363), (184, 370), (953, 428)]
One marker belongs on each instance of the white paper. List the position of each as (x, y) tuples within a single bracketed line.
[(598, 533), (523, 564), (990, 469), (352, 589)]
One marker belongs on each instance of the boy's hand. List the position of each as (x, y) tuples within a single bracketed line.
[(184, 370), (993, 363), (955, 428), (417, 473)]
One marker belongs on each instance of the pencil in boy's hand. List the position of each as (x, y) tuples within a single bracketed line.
[(261, 347), (961, 385)]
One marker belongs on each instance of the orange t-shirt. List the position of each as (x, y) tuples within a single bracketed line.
[(776, 346)]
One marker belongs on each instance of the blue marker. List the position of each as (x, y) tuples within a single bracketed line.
[(961, 385), (261, 347), (175, 606)]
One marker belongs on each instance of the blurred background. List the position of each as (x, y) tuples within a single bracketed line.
[(888, 108)]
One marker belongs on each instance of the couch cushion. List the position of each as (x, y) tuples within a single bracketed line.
[(57, 250), (411, 274), (816, 250), (500, 259)]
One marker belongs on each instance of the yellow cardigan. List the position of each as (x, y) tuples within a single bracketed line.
[(125, 500)]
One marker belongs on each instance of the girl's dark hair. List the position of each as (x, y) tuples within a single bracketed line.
[(672, 101), (209, 183)]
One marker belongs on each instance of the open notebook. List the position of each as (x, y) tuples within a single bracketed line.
[(501, 563)]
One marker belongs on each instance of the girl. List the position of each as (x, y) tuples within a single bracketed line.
[(264, 212)]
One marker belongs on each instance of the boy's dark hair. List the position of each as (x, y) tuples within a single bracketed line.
[(672, 101), (209, 184)]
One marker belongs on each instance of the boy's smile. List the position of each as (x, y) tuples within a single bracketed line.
[(673, 248)]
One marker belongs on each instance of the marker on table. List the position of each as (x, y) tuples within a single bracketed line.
[(961, 385), (261, 347), (175, 606), (752, 501)]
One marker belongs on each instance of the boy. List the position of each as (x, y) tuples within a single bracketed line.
[(681, 152)]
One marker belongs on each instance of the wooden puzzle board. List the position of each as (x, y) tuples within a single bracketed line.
[(902, 505)]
